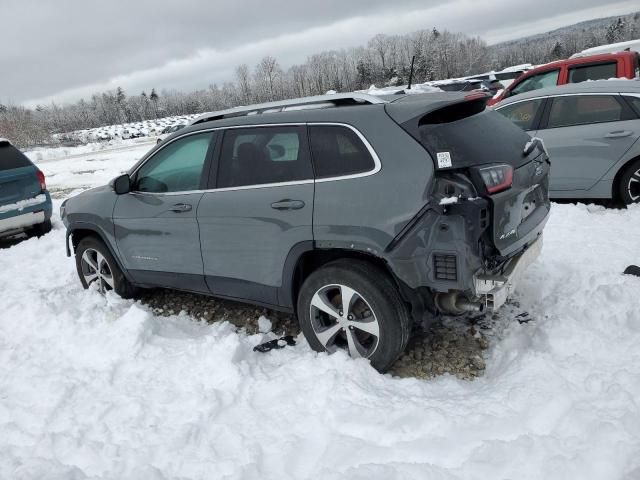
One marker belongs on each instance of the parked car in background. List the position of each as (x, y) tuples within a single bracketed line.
[(169, 130), (591, 132), (25, 204), (574, 70), (458, 85), (360, 213)]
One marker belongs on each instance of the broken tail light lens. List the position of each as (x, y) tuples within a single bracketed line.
[(497, 178)]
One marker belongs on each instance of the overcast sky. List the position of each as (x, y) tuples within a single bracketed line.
[(67, 49)]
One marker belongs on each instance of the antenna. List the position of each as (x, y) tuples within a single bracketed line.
[(413, 59)]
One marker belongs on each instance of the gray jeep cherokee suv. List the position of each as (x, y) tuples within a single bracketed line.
[(360, 214)]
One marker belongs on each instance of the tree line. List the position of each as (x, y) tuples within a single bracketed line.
[(384, 61)]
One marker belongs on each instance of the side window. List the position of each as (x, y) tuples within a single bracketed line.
[(535, 82), (338, 151), (255, 156), (600, 71), (522, 113), (175, 168), (585, 109), (634, 102)]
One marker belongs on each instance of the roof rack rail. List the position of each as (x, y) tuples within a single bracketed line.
[(318, 101)]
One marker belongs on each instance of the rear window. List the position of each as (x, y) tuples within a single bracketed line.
[(602, 71), (11, 157), (484, 137), (338, 151)]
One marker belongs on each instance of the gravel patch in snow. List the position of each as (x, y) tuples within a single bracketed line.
[(449, 345)]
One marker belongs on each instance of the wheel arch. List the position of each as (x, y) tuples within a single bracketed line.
[(615, 193), (77, 232), (308, 260)]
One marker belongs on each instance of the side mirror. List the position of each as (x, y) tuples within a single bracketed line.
[(121, 184)]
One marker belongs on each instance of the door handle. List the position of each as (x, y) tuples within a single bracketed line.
[(288, 204), (618, 134), (181, 207)]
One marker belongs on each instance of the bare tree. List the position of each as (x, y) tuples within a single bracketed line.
[(384, 60), (243, 81)]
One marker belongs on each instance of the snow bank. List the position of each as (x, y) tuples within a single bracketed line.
[(94, 387), (46, 154), (74, 168)]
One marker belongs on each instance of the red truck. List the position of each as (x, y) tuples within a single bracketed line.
[(594, 67)]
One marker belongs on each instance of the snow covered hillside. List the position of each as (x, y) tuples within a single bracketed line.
[(99, 387)]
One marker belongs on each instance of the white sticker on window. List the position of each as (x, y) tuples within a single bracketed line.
[(444, 160)]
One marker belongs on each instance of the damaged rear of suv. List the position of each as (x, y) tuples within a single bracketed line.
[(359, 214), (487, 207)]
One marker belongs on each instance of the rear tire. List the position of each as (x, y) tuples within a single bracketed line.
[(95, 263), (374, 321), (629, 184)]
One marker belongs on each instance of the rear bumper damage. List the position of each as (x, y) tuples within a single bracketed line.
[(445, 255), (495, 289)]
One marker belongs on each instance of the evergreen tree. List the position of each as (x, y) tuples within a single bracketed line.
[(154, 98), (615, 31), (557, 52)]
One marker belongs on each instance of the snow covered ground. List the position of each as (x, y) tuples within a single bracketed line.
[(98, 387)]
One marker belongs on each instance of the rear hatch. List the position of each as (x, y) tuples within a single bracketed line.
[(18, 176), (497, 157)]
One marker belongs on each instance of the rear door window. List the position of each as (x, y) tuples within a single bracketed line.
[(257, 156), (634, 102), (11, 157), (535, 82), (586, 109), (338, 151), (600, 71), (522, 114)]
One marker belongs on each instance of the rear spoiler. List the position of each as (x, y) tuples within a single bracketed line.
[(410, 112)]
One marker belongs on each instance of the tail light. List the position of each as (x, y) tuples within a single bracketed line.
[(497, 178), (43, 183)]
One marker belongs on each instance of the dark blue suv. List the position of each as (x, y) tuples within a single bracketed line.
[(25, 203)]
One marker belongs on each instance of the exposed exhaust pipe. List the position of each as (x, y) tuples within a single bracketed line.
[(454, 303)]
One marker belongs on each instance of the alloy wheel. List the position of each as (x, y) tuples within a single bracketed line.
[(95, 268), (633, 187), (342, 318)]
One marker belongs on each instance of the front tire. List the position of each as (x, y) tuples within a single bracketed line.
[(95, 264), (629, 186), (355, 306)]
